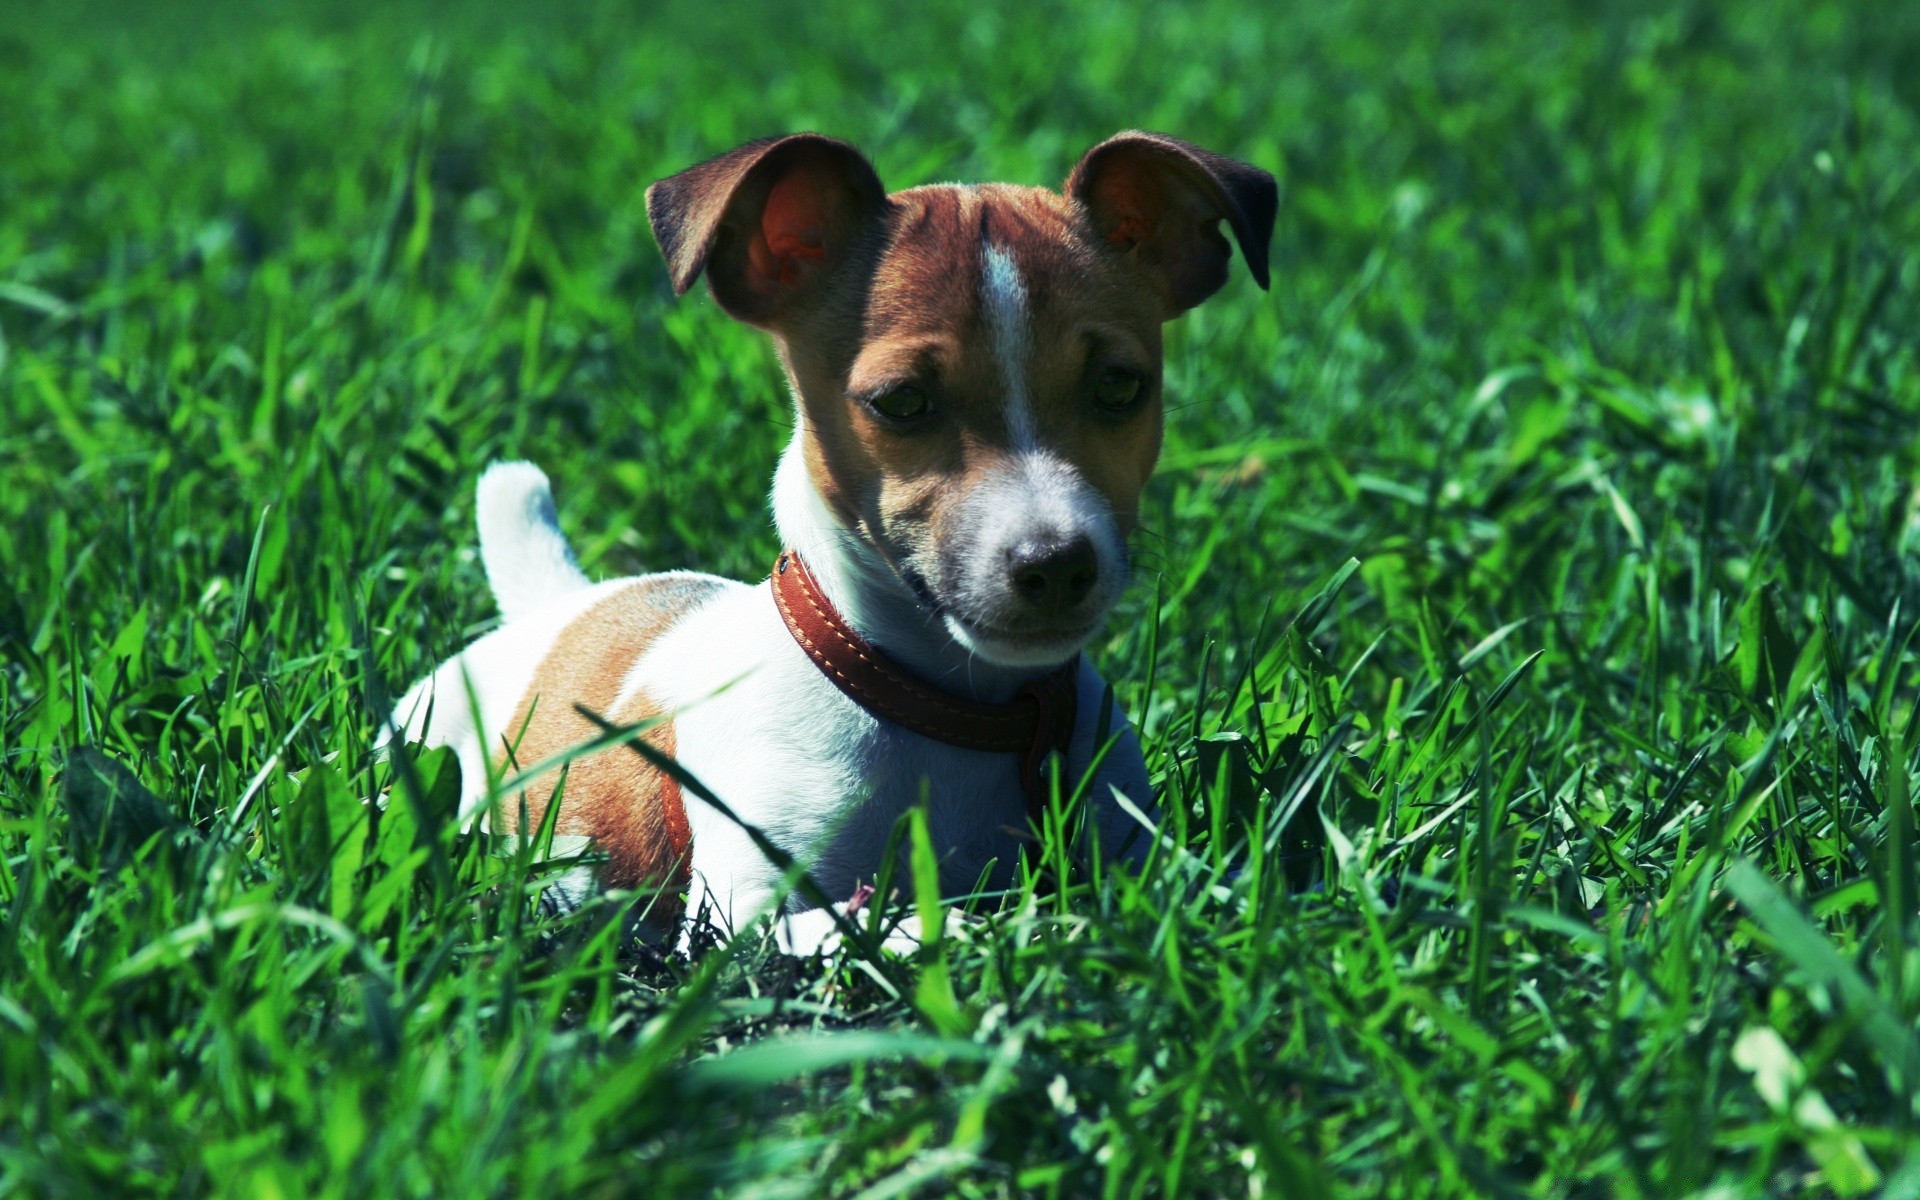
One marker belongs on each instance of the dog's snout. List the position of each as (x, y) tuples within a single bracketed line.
[(1034, 563), (1053, 574)]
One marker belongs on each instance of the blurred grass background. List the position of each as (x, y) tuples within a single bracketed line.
[(1591, 341)]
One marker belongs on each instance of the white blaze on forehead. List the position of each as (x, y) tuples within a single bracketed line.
[(1003, 296)]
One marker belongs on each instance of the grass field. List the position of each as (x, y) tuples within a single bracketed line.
[(1523, 642)]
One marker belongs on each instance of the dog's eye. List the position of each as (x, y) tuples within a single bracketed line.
[(1117, 389), (903, 403)]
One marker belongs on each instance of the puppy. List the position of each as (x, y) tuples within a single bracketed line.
[(977, 378)]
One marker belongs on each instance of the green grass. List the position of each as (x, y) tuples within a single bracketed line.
[(1562, 848)]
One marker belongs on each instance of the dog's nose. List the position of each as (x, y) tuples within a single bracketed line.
[(1053, 574)]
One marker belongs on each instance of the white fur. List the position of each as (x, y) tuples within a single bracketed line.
[(527, 558), (759, 724), (1003, 296)]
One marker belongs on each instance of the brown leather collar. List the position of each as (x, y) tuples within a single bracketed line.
[(1037, 722)]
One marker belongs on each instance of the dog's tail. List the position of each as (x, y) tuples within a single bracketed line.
[(527, 558)]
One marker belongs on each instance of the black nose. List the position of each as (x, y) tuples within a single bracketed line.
[(1053, 574)]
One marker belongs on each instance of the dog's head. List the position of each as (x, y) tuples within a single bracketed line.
[(977, 367)]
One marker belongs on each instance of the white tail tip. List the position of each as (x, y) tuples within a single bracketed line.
[(527, 558)]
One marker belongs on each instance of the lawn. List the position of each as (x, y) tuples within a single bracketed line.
[(1523, 638)]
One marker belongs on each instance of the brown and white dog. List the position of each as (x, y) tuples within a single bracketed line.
[(977, 376)]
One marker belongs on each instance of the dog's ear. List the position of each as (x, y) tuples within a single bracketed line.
[(1160, 201), (767, 222)]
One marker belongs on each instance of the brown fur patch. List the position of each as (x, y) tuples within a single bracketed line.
[(633, 813)]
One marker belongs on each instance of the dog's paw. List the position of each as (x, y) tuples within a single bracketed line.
[(816, 932), (806, 934), (908, 936)]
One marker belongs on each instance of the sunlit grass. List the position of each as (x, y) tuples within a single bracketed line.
[(1523, 641)]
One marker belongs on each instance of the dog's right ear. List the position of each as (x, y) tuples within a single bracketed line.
[(767, 222)]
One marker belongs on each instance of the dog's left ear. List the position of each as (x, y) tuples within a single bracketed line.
[(1160, 201)]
